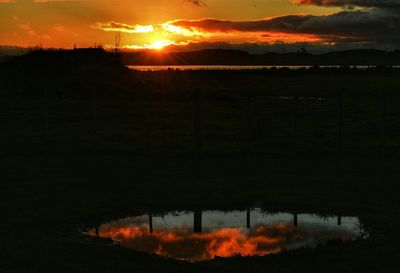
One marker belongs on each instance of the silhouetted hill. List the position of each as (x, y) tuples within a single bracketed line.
[(4, 58), (14, 50), (64, 60), (235, 57), (80, 72)]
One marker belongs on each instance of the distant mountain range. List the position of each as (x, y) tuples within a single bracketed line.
[(236, 57)]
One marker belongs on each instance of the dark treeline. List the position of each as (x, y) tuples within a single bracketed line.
[(236, 57)]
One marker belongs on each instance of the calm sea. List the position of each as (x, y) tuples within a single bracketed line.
[(205, 67), (224, 67)]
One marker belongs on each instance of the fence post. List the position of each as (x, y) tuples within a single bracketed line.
[(45, 119), (247, 122), (147, 122), (18, 119), (197, 125), (94, 118), (197, 223), (340, 110), (383, 122), (248, 224), (150, 223), (294, 124), (94, 104)]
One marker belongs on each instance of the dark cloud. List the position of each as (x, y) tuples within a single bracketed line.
[(115, 25), (360, 26), (280, 47), (359, 3), (199, 3)]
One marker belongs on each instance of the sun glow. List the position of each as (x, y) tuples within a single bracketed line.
[(157, 36), (159, 44), (169, 27), (166, 35), (156, 45)]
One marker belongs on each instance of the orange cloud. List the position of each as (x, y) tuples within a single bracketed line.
[(120, 27), (27, 28), (226, 242), (199, 3), (74, 22), (182, 243), (360, 3)]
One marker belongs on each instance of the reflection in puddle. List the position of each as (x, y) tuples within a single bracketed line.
[(204, 235)]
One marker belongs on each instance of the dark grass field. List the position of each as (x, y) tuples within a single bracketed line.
[(210, 140), (48, 201), (261, 114)]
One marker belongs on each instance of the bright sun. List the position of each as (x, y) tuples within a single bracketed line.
[(159, 44)]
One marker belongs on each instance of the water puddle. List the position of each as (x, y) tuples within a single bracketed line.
[(205, 235)]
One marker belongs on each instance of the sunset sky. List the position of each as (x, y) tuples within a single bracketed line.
[(197, 24)]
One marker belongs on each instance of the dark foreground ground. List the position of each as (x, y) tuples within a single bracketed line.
[(78, 151), (46, 202)]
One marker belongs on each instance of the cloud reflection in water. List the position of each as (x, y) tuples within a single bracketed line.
[(222, 234)]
